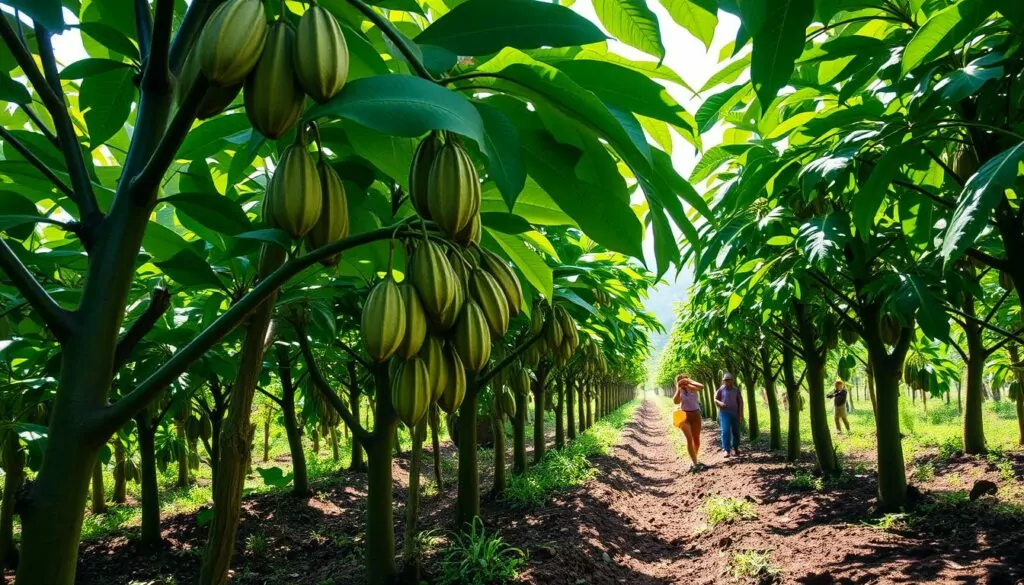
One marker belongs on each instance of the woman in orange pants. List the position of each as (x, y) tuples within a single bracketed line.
[(687, 398)]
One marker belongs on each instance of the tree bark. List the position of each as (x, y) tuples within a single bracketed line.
[(182, 455), (435, 444), (266, 439), (519, 435), (560, 396), (356, 463), (569, 396), (793, 398), (14, 479), (815, 361), (774, 427), (468, 505), (539, 439), (498, 425), (148, 478), (1019, 373), (410, 554), (974, 429), (380, 524), (120, 475)]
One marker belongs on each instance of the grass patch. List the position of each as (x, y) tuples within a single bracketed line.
[(756, 565), (724, 510), (561, 470), (479, 558), (805, 481)]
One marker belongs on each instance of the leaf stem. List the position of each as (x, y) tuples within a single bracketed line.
[(36, 162), (404, 45), (57, 319)]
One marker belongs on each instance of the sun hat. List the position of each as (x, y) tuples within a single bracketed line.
[(727, 376)]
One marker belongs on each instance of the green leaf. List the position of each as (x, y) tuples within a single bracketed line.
[(944, 31), (12, 91), (45, 12), (12, 207), (633, 23), (963, 83), (190, 270), (161, 242), (391, 154), (533, 204), (780, 240), (978, 201), (715, 157), (699, 17), (91, 66), (651, 69), (274, 477), (529, 264), (867, 201), (403, 105), (212, 136), (268, 236), (777, 45), (106, 99), (482, 27), (505, 163), (666, 170), (213, 211), (713, 107), (728, 74), (508, 223), (111, 38)]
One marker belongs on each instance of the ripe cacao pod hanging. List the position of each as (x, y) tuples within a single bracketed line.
[(472, 338), (294, 192), (567, 325), (333, 223), (965, 162), (537, 319), (453, 189), (455, 386), (553, 331), (216, 100), (431, 274), (419, 173), (506, 279), (273, 99), (321, 55), (890, 330), (1005, 280), (531, 357), (447, 318), (519, 381), (232, 41), (849, 335), (432, 353), (415, 322), (471, 233), (508, 403), (383, 320), (410, 391), (487, 294)]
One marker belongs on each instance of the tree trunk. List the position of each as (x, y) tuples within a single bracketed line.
[(266, 439), (774, 427), (120, 476), (560, 395), (793, 398), (1019, 373), (590, 409), (974, 429), (497, 423), (892, 478), (435, 444), (14, 479), (300, 483), (335, 453), (148, 478), (356, 463), (753, 427), (182, 455), (315, 435), (519, 435), (569, 396), (98, 504), (539, 439), (815, 361), (871, 387), (468, 505), (581, 413), (410, 554), (380, 522), (235, 443)]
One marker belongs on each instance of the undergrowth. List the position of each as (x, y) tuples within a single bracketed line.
[(722, 510), (479, 558), (756, 565)]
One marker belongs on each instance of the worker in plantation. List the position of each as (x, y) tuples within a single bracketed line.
[(730, 414), (838, 397), (687, 418)]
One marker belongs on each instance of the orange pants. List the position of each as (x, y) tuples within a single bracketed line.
[(691, 427)]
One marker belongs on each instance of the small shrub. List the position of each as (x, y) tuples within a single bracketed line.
[(804, 481), (950, 448), (890, 522), (924, 472), (480, 558), (722, 510), (755, 565), (1006, 471), (908, 415), (256, 545)]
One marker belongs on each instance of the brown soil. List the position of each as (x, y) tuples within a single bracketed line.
[(639, 521)]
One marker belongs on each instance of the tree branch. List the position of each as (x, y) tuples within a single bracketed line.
[(987, 259), (355, 355), (192, 23), (42, 127), (114, 416), (321, 384), (995, 307), (989, 326), (959, 350), (159, 301), (36, 162), (157, 75), (395, 36), (276, 400), (1003, 342), (53, 104), (485, 377), (57, 319), (143, 28)]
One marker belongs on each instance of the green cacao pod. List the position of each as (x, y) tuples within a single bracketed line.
[(1013, 389), (531, 357), (487, 294), (508, 403), (273, 98), (232, 41), (415, 322), (447, 318), (432, 275), (472, 337), (321, 55), (271, 258), (193, 426), (519, 381), (455, 385), (552, 332), (383, 320), (965, 162), (453, 189), (890, 330), (419, 174), (845, 374), (537, 319), (849, 335), (506, 279), (333, 223), (459, 266), (216, 100), (432, 353), (567, 325), (410, 391), (471, 233), (1005, 280), (294, 193)]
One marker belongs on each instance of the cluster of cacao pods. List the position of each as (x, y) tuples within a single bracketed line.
[(889, 328)]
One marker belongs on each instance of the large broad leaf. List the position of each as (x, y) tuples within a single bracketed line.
[(729, 73), (89, 67), (12, 91), (482, 27), (533, 204), (699, 17), (978, 200), (714, 106), (505, 166), (111, 38), (45, 12), (403, 105), (17, 215), (213, 211), (190, 270), (106, 99), (945, 30), (633, 23), (777, 45), (822, 237), (867, 201), (917, 295), (530, 265), (715, 157)]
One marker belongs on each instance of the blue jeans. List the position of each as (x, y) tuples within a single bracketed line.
[(730, 426)]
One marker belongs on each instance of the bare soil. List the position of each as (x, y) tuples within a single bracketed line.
[(639, 521)]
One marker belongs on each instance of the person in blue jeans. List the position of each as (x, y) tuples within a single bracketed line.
[(730, 414)]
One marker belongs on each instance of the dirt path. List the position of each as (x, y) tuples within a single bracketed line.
[(641, 521)]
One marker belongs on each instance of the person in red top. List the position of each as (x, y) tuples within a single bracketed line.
[(689, 405)]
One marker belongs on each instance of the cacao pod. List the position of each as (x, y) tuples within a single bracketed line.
[(432, 275), (849, 335), (459, 267), (415, 322), (383, 320), (845, 374), (519, 380), (537, 319), (1013, 390), (567, 325), (455, 386), (446, 320), (453, 190), (508, 403), (890, 330), (419, 173), (965, 162), (271, 258), (471, 233), (410, 391), (216, 100), (273, 98), (506, 279), (321, 55), (232, 41), (1005, 280), (294, 193), (472, 337), (487, 294), (432, 353), (333, 223), (553, 332)]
